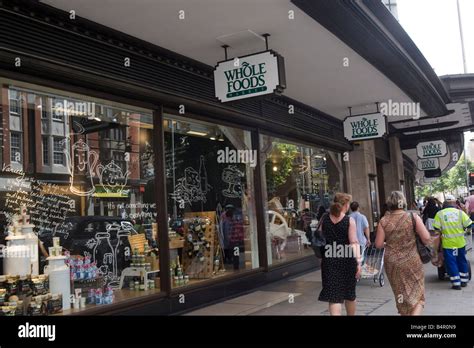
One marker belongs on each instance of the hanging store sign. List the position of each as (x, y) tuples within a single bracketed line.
[(436, 148), (433, 173), (249, 76), (427, 163), (364, 127)]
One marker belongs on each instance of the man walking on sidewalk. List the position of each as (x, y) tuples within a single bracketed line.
[(362, 228), (452, 222)]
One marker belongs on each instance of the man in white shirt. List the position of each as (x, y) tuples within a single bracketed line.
[(362, 228)]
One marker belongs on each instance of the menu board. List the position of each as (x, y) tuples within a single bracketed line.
[(47, 204)]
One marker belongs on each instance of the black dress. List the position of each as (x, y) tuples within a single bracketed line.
[(337, 273)]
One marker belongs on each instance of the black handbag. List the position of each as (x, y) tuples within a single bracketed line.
[(318, 242), (423, 250)]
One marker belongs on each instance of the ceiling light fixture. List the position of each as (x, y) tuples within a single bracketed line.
[(201, 134)]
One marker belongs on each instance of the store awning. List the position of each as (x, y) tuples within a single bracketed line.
[(315, 45)]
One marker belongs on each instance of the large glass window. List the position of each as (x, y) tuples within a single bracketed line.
[(211, 207), (300, 182), (101, 210)]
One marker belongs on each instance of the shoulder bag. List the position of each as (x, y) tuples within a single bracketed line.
[(318, 242), (423, 250)]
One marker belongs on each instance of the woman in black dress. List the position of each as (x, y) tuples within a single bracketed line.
[(430, 210), (340, 265)]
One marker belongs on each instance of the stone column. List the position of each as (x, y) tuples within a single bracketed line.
[(361, 164), (393, 169)]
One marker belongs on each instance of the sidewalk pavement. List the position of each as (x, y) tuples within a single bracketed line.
[(298, 296)]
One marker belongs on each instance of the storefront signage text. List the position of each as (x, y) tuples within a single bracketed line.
[(436, 148), (427, 163), (249, 76), (363, 127)]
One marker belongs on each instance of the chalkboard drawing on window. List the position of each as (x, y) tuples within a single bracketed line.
[(110, 249), (193, 187), (102, 248), (112, 178), (86, 161), (232, 176)]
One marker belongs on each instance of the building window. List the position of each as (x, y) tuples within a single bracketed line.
[(44, 108), (117, 134), (15, 147), (45, 143), (58, 110), (58, 151), (92, 208), (211, 196), (300, 182), (119, 158), (15, 103)]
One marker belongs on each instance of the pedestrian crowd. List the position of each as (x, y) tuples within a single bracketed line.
[(409, 238)]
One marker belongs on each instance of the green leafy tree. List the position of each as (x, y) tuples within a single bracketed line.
[(457, 174), (423, 191)]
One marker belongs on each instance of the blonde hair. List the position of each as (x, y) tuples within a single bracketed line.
[(340, 199), (396, 201)]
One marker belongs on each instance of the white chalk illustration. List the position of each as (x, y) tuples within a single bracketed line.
[(112, 178), (101, 245), (193, 187), (84, 159), (232, 176)]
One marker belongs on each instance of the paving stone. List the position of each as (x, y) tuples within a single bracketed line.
[(372, 299)]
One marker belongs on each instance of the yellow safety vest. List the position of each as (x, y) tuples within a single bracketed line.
[(452, 222)]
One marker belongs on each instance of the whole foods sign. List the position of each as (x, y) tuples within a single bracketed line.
[(427, 163), (249, 76), (363, 127), (436, 148)]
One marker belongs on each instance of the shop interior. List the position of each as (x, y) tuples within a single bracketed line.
[(78, 211)]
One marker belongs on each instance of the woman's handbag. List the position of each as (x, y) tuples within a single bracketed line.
[(423, 250), (318, 242)]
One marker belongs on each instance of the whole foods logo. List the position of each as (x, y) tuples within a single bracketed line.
[(365, 128), (431, 150), (247, 79), (428, 163), (250, 76), (434, 148)]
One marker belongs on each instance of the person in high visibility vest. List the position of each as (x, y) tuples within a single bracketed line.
[(452, 222)]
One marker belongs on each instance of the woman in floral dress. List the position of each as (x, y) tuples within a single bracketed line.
[(403, 264)]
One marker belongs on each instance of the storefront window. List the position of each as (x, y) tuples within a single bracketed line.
[(77, 176), (211, 208), (300, 182)]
